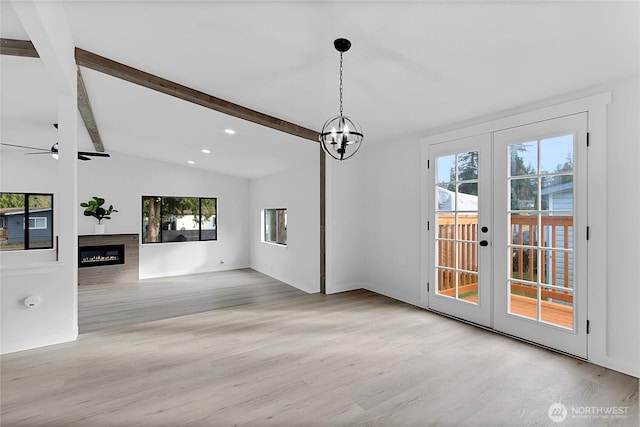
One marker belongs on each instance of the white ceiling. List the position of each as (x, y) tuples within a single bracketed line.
[(414, 66)]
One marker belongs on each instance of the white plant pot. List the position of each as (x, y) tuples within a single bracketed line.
[(99, 229)]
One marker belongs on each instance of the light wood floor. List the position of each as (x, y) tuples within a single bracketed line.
[(350, 359), (119, 304)]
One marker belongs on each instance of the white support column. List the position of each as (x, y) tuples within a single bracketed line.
[(55, 319), (66, 200)]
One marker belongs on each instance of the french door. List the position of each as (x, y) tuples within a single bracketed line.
[(509, 231), (540, 208), (460, 195)]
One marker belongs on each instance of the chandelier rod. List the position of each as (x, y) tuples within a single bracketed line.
[(340, 83)]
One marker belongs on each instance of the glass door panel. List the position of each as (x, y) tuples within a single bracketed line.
[(535, 289), (460, 178)]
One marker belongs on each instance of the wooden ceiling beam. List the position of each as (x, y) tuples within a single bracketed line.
[(18, 48), (86, 112), (107, 66), (115, 69)]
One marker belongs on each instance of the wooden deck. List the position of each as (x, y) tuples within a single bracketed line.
[(552, 312)]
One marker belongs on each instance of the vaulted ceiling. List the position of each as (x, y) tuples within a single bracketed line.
[(414, 66)]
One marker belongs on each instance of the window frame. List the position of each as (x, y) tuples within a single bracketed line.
[(265, 238), (160, 215)]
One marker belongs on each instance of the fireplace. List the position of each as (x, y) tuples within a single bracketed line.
[(93, 256)]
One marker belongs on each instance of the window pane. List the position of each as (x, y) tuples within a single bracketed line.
[(468, 287), (557, 268), (208, 220), (269, 225), (468, 166), (467, 197), (12, 214), (468, 256), (446, 253), (524, 158), (524, 264), (446, 282), (151, 219), (40, 221), (446, 197), (446, 168), (524, 229), (180, 219), (275, 226), (556, 154), (557, 230), (524, 194), (556, 307), (523, 300), (282, 226), (557, 193)]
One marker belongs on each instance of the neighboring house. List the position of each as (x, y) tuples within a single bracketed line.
[(560, 198), (13, 223)]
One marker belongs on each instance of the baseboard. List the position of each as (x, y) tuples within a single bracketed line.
[(345, 287), (393, 295)]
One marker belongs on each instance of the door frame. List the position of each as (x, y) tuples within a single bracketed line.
[(596, 108)]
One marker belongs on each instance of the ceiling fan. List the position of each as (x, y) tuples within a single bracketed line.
[(82, 155)]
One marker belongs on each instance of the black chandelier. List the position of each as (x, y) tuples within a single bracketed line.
[(341, 136)]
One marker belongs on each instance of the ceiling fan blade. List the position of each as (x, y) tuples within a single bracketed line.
[(86, 153), (24, 146), (81, 157)]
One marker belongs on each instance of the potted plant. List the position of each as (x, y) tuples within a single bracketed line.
[(94, 208)]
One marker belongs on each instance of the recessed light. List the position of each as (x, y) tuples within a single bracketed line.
[(191, 162), (205, 151), (230, 131)]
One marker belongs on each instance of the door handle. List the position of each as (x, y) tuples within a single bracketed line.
[(484, 243)]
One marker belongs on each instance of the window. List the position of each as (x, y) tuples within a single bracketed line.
[(275, 226), (37, 223), (19, 209), (178, 219)]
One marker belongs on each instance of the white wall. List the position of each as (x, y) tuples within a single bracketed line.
[(391, 220), (390, 209), (34, 272), (122, 180), (623, 224), (297, 264), (344, 223)]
